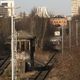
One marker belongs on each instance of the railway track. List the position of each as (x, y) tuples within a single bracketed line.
[(39, 62), (3, 65), (41, 75)]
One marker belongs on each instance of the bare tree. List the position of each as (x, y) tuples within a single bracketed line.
[(5, 30)]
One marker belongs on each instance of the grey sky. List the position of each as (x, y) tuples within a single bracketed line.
[(56, 6)]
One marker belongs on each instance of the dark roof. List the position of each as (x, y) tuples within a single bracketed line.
[(23, 35)]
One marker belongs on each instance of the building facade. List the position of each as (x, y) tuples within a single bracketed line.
[(3, 11), (5, 7), (42, 12), (75, 7)]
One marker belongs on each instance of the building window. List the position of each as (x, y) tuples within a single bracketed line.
[(4, 4), (22, 46)]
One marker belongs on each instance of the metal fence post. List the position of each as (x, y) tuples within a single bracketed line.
[(76, 32), (70, 34), (62, 40)]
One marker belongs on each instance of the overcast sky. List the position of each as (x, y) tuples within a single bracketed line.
[(56, 6)]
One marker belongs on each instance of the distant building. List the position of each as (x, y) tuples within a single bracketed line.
[(5, 7), (42, 12), (62, 21), (75, 7), (3, 11)]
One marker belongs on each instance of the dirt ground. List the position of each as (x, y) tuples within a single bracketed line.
[(67, 66)]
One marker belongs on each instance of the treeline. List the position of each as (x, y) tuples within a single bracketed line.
[(34, 25), (31, 24), (37, 26), (5, 30)]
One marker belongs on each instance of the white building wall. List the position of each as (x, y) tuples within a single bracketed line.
[(75, 7)]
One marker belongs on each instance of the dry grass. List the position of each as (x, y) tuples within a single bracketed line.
[(68, 66)]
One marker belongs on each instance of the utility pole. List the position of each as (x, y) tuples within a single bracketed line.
[(13, 45), (12, 42)]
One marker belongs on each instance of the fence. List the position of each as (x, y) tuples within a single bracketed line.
[(71, 36)]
